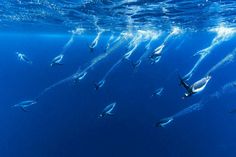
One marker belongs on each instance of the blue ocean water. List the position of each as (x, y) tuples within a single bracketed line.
[(131, 52)]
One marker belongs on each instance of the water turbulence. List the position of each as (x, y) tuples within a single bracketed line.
[(222, 34)]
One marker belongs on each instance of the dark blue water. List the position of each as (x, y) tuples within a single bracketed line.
[(65, 119)]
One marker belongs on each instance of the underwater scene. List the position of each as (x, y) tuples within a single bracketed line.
[(122, 78)]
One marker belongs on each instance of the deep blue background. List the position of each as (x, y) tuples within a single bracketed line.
[(64, 122)]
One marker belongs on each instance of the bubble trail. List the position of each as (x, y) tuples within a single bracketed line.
[(147, 49), (58, 59), (223, 34), (122, 39), (79, 75), (156, 55), (53, 86), (190, 109), (226, 60), (133, 45), (227, 88), (95, 41), (158, 92), (109, 42), (112, 68)]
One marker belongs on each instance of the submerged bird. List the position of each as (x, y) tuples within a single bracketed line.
[(92, 46), (24, 104), (79, 76), (163, 122), (57, 60), (136, 64), (196, 87), (95, 41), (155, 58), (23, 57), (156, 55), (108, 110), (157, 92), (99, 84)]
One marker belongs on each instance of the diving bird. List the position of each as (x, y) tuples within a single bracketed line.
[(155, 58), (163, 122), (57, 60), (92, 46), (99, 84), (157, 92), (136, 64), (79, 76), (95, 41), (108, 110), (156, 55), (196, 87), (23, 57), (24, 104)]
